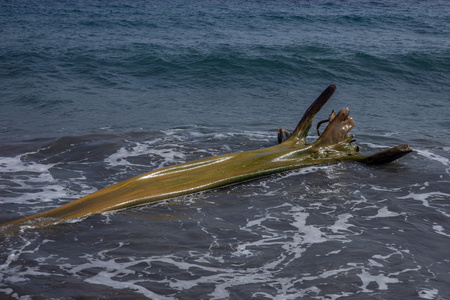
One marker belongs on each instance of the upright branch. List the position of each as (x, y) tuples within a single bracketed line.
[(302, 129)]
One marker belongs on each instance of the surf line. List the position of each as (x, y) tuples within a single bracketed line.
[(333, 145)]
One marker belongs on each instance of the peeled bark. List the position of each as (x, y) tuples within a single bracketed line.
[(335, 144)]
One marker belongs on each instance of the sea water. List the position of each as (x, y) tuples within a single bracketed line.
[(95, 92)]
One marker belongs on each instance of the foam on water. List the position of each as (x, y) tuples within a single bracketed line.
[(428, 293), (28, 182), (168, 154), (435, 157), (384, 213), (428, 199), (32, 186), (318, 229), (381, 280), (440, 230), (283, 247)]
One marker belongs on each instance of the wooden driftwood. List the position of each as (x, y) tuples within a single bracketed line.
[(335, 144)]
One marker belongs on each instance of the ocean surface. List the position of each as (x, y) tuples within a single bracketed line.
[(95, 92)]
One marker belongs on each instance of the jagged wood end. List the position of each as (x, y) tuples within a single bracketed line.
[(301, 131), (336, 131), (385, 156)]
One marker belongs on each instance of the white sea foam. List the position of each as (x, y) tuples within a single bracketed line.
[(333, 252), (112, 269), (12, 295), (430, 155), (384, 212), (24, 176), (384, 189), (435, 157), (33, 184), (138, 273), (293, 242), (303, 171), (169, 154), (311, 234), (381, 280), (18, 163), (374, 263), (428, 293), (440, 230), (426, 197), (341, 223), (10, 273), (183, 134), (374, 145)]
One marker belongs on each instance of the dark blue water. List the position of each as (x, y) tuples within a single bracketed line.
[(95, 92)]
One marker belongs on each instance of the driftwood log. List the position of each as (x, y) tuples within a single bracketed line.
[(333, 145)]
